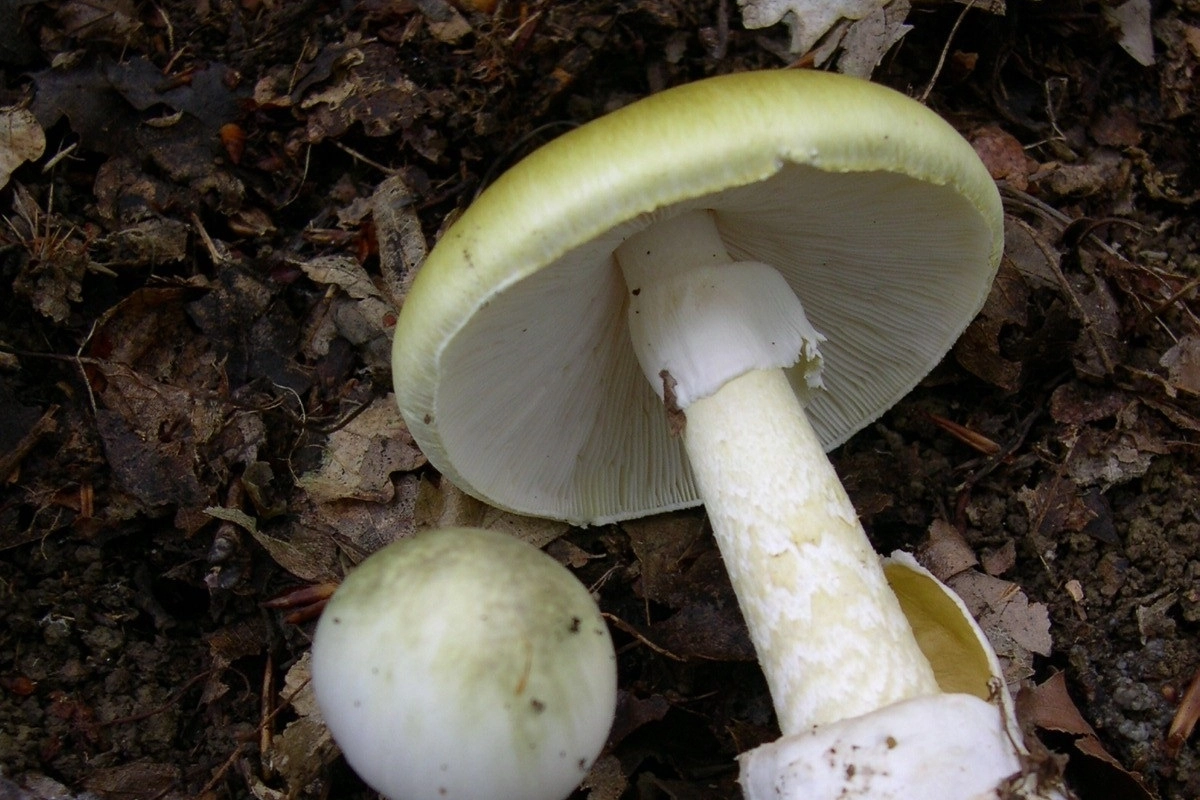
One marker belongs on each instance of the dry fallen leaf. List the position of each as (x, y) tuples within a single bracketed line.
[(869, 39), (359, 313), (1049, 707), (358, 527), (362, 455), (807, 21), (945, 552), (304, 748), (1132, 21), (444, 505), (978, 349), (1183, 365), (606, 780), (21, 139), (1004, 156), (1017, 628)]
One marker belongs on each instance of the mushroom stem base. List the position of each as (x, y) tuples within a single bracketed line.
[(830, 634)]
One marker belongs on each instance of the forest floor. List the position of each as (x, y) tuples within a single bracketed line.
[(195, 410)]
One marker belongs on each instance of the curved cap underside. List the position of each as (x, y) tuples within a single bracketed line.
[(512, 359)]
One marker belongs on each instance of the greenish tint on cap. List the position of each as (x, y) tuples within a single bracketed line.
[(512, 361)]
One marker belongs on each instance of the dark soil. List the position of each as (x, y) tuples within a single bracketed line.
[(199, 316)]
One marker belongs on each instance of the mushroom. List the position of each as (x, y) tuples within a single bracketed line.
[(688, 301), (464, 664)]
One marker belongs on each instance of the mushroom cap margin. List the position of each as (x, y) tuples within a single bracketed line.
[(551, 222)]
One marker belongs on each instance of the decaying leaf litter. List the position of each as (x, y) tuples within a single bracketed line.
[(211, 213)]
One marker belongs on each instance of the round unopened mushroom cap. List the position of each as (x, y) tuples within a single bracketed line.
[(465, 664), (512, 358)]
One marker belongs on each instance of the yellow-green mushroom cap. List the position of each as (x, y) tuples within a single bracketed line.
[(512, 359)]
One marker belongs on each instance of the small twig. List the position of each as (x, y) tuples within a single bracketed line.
[(1185, 718), (971, 438), (171, 702), (1175, 297), (237, 751), (218, 258), (79, 361), (59, 156), (357, 156), (265, 733), (635, 633), (10, 461), (945, 50), (1052, 261)]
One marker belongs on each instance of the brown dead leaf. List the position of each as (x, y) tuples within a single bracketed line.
[(978, 350), (104, 99), (1182, 363), (255, 338), (1029, 251), (945, 552), (146, 244), (866, 41), (664, 544), (360, 458), (153, 434), (1017, 628), (156, 473), (999, 560), (444, 21), (1110, 457), (441, 504), (309, 554), (1048, 707), (682, 570), (360, 314), (112, 21), (54, 258), (705, 629), (1116, 126), (225, 646), (358, 527), (370, 90), (126, 194), (1075, 403), (1104, 171), (1061, 503), (21, 139), (305, 747), (402, 245), (1004, 156), (606, 780), (1096, 309), (807, 20), (1132, 21), (1181, 63)]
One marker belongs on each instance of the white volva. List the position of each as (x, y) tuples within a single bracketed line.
[(830, 635)]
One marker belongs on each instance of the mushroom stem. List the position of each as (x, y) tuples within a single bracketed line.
[(830, 634)]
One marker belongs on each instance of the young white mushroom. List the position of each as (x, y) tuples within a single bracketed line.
[(464, 664), (690, 300)]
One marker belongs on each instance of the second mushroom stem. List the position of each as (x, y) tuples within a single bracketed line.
[(830, 634)]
